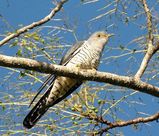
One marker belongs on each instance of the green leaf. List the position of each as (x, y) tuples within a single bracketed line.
[(19, 53)]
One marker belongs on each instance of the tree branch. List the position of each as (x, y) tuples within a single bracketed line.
[(130, 122), (150, 52), (34, 24), (149, 20), (129, 82), (150, 49)]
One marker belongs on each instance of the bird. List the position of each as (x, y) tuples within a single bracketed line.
[(83, 55)]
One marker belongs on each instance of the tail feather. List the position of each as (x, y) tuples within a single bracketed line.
[(36, 113), (40, 108)]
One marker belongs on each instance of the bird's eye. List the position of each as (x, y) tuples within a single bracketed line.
[(99, 35)]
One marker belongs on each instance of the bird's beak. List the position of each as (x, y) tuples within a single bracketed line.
[(110, 35)]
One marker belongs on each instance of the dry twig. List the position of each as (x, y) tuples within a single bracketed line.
[(34, 24), (130, 122)]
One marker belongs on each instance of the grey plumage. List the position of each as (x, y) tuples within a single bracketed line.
[(70, 53), (86, 55)]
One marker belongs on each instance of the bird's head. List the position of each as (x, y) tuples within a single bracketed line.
[(99, 39)]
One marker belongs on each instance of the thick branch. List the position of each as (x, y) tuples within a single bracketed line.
[(130, 122), (34, 24), (114, 79)]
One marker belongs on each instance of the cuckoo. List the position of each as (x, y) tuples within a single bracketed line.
[(85, 55)]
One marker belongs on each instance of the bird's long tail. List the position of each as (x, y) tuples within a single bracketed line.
[(37, 112), (40, 108)]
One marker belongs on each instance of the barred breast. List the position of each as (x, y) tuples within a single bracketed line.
[(86, 58)]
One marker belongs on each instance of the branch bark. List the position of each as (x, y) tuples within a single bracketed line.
[(149, 20), (150, 52), (130, 122), (34, 24), (124, 81), (150, 48)]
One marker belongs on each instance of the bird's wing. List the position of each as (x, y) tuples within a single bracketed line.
[(71, 52), (39, 109), (46, 83), (67, 57)]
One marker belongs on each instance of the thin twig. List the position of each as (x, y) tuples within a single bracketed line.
[(130, 122), (149, 21), (34, 24)]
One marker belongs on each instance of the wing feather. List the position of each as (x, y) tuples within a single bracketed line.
[(71, 52), (67, 57), (50, 78)]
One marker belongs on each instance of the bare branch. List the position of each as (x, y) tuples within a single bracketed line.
[(130, 122), (34, 24), (150, 50), (149, 21), (129, 82), (98, 119), (145, 61)]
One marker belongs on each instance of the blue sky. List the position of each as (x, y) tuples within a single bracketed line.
[(78, 16)]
